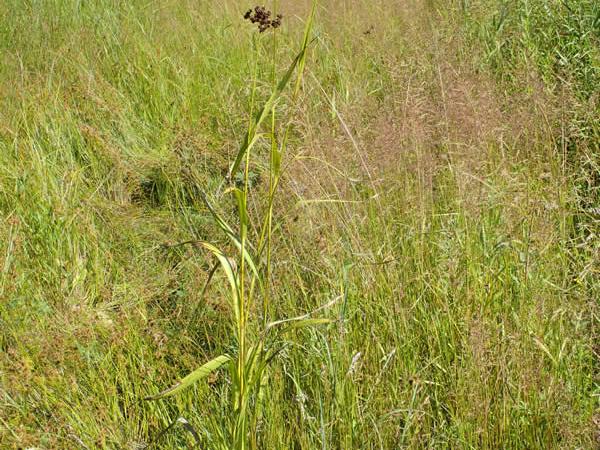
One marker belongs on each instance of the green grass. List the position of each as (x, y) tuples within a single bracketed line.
[(441, 179)]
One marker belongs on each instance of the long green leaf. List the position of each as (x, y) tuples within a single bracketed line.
[(230, 272), (305, 320), (251, 136), (230, 233), (198, 374), (242, 211)]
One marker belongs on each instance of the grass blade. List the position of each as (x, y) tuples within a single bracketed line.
[(198, 374), (232, 235), (251, 136), (302, 323)]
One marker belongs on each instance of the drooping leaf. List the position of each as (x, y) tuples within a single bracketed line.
[(306, 319), (230, 233), (198, 374), (230, 272)]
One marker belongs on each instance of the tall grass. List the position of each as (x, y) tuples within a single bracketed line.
[(410, 177), (559, 42), (249, 276)]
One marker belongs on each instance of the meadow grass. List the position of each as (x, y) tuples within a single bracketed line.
[(440, 183)]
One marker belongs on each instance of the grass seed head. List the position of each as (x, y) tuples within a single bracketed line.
[(262, 17)]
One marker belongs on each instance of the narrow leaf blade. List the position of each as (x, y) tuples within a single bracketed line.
[(251, 137), (198, 374), (303, 323)]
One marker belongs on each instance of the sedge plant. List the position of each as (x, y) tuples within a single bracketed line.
[(248, 273)]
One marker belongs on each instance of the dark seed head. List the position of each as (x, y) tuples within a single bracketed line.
[(262, 17)]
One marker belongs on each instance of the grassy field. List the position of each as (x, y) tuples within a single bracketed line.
[(439, 194)]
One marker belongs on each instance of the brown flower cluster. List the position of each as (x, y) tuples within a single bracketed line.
[(262, 16)]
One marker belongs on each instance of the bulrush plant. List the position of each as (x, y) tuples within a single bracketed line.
[(262, 16), (258, 337)]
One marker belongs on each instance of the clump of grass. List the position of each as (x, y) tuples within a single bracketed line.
[(249, 274), (557, 42)]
